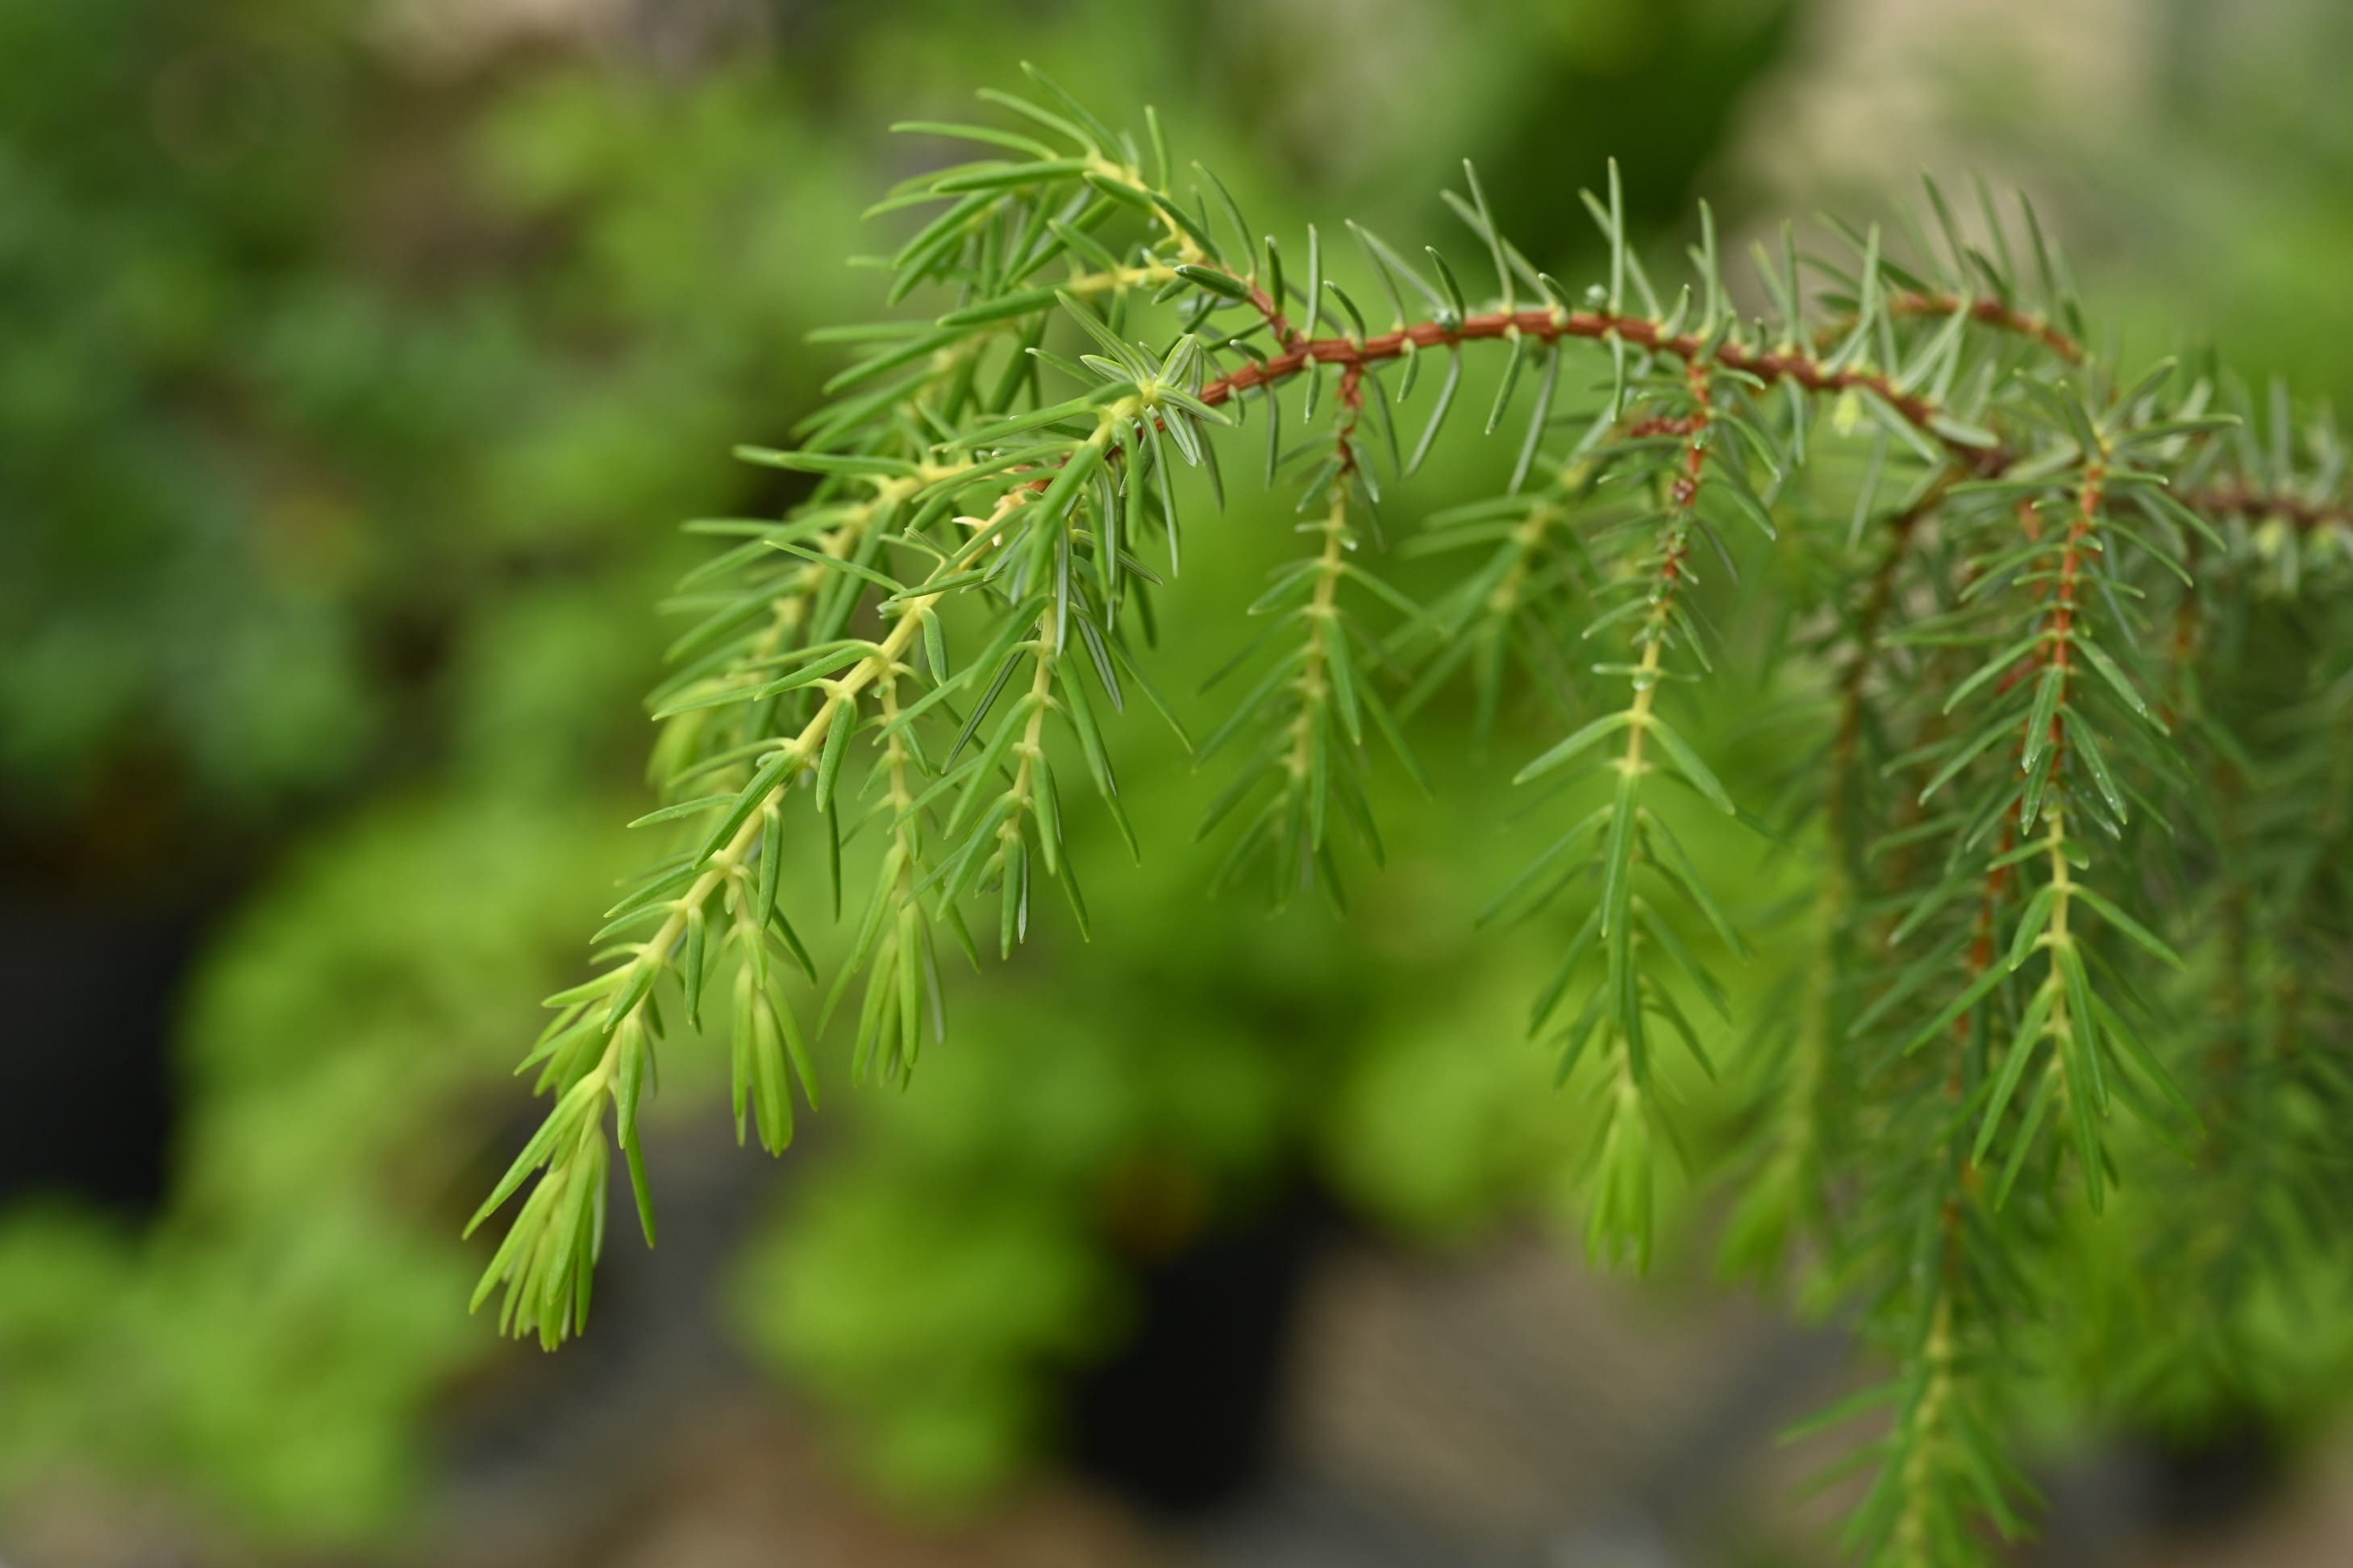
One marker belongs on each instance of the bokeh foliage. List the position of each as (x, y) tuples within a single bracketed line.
[(347, 405)]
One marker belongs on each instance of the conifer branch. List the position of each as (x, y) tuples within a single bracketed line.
[(2037, 614)]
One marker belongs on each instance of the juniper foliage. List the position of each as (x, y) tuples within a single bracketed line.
[(2064, 675)]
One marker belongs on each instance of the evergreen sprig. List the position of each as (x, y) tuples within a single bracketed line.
[(2064, 708)]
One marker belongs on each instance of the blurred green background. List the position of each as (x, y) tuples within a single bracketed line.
[(357, 358)]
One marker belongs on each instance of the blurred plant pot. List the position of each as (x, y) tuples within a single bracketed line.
[(1181, 1419)]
